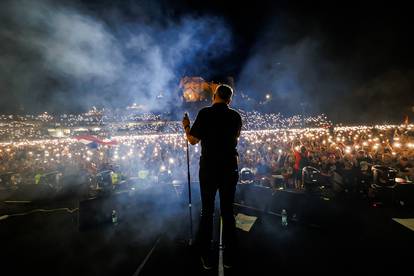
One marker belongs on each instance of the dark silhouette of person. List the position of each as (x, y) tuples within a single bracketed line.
[(218, 128)]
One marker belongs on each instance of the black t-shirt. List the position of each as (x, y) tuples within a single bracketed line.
[(218, 128)]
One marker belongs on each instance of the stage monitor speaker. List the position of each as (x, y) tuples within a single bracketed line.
[(256, 196), (307, 207)]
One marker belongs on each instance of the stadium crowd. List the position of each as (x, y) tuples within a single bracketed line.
[(272, 146)]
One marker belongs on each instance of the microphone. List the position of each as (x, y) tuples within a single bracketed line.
[(186, 118)]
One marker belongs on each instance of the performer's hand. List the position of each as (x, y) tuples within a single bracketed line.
[(186, 121)]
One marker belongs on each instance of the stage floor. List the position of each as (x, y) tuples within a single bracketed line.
[(358, 237)]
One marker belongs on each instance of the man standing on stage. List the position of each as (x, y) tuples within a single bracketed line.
[(218, 128)]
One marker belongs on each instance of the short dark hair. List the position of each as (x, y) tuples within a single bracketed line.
[(224, 92)]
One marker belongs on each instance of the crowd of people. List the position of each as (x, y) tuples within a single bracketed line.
[(263, 148), (345, 152), (109, 123)]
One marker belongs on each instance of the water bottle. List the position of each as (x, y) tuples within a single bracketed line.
[(114, 217), (284, 218)]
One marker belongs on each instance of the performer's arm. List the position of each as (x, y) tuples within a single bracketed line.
[(186, 124), (191, 139), (239, 127)]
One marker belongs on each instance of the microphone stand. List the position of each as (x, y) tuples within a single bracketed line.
[(189, 196)]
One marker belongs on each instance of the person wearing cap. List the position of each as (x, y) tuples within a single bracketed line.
[(362, 156)]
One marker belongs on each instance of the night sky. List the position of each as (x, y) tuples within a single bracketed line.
[(352, 62)]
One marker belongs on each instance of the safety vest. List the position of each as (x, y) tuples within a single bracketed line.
[(37, 178), (114, 178)]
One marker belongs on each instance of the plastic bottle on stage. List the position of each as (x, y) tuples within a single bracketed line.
[(284, 218), (114, 217)]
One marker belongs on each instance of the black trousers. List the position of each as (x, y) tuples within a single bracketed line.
[(222, 177)]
